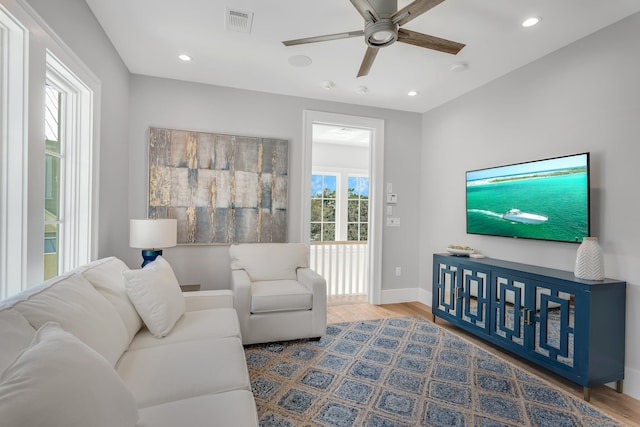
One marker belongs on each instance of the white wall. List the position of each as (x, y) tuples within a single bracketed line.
[(585, 97), (180, 105), (74, 23)]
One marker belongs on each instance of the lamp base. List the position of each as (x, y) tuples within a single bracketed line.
[(150, 255)]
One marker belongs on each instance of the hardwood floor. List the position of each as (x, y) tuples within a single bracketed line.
[(623, 408)]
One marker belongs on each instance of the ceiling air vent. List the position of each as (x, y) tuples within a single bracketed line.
[(239, 20)]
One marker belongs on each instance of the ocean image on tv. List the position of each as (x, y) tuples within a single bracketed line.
[(540, 200)]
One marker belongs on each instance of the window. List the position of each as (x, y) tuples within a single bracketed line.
[(323, 208), (53, 190), (358, 208), (339, 212), (68, 155)]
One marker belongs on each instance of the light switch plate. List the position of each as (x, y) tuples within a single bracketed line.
[(392, 198), (393, 222)]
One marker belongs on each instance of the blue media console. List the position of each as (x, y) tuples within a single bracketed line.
[(572, 327)]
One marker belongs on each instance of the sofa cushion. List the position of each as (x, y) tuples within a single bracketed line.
[(155, 292), (269, 261), (74, 303), (193, 325), (185, 369), (59, 381), (230, 409), (15, 335), (106, 276), (279, 295)]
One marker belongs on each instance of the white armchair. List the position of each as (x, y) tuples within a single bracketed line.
[(277, 296)]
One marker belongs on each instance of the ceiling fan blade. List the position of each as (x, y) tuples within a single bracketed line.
[(324, 38), (367, 62), (413, 10), (366, 10), (429, 42)]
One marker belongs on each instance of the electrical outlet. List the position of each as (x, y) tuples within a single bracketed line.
[(389, 210), (389, 187), (393, 222), (398, 271)]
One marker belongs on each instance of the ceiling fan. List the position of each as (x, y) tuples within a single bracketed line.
[(382, 27)]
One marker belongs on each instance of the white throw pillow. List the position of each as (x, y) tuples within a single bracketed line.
[(58, 381), (106, 276), (156, 294), (80, 309)]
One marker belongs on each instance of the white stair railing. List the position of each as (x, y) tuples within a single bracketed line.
[(344, 265)]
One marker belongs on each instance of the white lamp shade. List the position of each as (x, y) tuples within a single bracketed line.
[(153, 233)]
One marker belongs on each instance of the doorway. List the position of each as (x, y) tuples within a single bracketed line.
[(338, 194)]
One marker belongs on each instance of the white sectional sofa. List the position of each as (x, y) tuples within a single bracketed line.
[(75, 351)]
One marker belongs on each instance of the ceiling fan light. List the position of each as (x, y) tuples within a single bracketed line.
[(381, 37), (381, 33)]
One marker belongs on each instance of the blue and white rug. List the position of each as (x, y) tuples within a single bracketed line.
[(402, 372)]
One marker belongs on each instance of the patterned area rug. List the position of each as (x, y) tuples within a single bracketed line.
[(402, 372)]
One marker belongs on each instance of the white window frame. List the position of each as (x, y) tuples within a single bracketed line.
[(76, 136), (14, 39)]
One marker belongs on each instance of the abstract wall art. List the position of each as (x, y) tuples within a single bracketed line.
[(222, 189)]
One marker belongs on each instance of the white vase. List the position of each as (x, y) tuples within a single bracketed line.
[(589, 261)]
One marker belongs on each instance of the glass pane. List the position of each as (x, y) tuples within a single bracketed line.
[(352, 232), (52, 119), (364, 232), (353, 187), (51, 243), (316, 185), (364, 187), (316, 230), (364, 210), (329, 232), (52, 188), (316, 210), (353, 213), (330, 185), (329, 210)]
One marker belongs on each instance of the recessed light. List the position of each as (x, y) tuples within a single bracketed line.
[(459, 66), (413, 93), (184, 57), (300, 61), (362, 90), (530, 22), (328, 85)]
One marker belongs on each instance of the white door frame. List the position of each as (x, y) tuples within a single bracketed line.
[(376, 166)]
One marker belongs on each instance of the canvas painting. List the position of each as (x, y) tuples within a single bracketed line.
[(221, 188)]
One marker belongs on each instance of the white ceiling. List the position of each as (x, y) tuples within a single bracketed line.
[(149, 35)]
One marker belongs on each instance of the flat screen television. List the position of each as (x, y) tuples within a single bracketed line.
[(544, 199)]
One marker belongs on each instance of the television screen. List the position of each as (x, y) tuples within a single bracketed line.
[(545, 199)]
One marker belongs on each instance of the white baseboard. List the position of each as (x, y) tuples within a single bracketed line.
[(425, 296), (394, 296), (631, 386)]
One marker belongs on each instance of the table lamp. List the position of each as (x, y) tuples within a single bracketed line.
[(151, 235)]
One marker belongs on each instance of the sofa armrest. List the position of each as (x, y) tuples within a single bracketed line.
[(241, 286), (318, 285), (312, 281), (204, 300)]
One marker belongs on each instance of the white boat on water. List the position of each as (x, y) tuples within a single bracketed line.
[(516, 215)]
